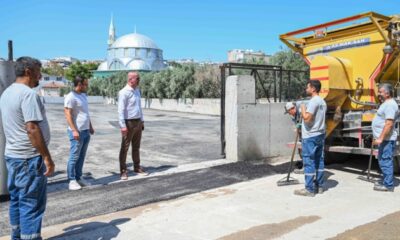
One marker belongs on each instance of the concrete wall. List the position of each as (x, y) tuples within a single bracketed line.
[(197, 105), (210, 106), (60, 100), (254, 130)]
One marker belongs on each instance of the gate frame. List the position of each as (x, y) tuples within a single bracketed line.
[(254, 68)]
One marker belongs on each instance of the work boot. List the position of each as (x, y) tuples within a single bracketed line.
[(379, 182), (304, 192), (298, 171), (382, 188), (319, 190)]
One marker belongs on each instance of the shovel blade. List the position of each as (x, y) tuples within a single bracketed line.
[(286, 182)]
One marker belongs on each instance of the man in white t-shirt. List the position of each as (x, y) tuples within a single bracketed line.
[(76, 110)]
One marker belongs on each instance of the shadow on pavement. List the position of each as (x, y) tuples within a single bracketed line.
[(92, 230), (329, 183), (114, 177), (55, 185)]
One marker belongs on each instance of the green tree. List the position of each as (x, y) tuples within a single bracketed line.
[(181, 78), (79, 69), (290, 60), (208, 81), (53, 69)]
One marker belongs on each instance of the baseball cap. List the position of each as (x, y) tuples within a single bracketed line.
[(289, 106)]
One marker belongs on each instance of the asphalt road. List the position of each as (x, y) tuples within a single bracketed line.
[(169, 139)]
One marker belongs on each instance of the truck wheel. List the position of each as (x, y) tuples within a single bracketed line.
[(396, 165)]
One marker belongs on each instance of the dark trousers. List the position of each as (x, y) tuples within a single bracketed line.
[(133, 137)]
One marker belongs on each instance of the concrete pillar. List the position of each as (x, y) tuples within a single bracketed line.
[(240, 103), (253, 131), (7, 77)]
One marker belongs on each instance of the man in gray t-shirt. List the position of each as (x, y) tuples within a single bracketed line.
[(385, 135), (313, 138), (27, 157)]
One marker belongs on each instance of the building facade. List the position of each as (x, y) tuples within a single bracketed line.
[(49, 85), (247, 56)]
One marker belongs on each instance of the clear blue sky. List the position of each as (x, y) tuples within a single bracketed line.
[(202, 30)]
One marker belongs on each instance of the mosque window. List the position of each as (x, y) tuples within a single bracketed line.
[(137, 53), (126, 52)]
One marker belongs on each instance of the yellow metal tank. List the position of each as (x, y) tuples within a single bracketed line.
[(350, 60)]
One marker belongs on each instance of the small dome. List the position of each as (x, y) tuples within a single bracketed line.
[(137, 64), (103, 66), (134, 40)]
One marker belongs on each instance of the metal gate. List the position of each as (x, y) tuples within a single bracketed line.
[(273, 83)]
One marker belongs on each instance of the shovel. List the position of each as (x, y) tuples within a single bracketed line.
[(290, 180)]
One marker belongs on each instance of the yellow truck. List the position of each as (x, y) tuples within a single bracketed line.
[(350, 57)]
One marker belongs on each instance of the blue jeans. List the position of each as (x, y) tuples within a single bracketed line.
[(313, 158), (77, 154), (27, 187), (385, 159)]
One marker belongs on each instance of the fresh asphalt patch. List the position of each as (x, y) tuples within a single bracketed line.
[(64, 205)]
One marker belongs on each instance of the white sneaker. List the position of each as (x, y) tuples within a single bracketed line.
[(84, 182), (74, 185)]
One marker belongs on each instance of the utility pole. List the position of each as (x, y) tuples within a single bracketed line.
[(7, 77)]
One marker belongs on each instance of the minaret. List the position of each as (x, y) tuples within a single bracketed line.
[(111, 32)]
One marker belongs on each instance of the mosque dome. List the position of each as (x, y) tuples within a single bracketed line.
[(138, 64), (134, 40), (131, 52), (102, 66)]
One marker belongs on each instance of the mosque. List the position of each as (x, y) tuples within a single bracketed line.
[(130, 52)]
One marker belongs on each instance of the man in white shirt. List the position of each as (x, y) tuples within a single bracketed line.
[(131, 122), (76, 110)]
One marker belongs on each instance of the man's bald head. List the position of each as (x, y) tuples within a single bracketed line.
[(133, 79)]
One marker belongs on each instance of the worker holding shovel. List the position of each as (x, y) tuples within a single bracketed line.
[(293, 109)]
